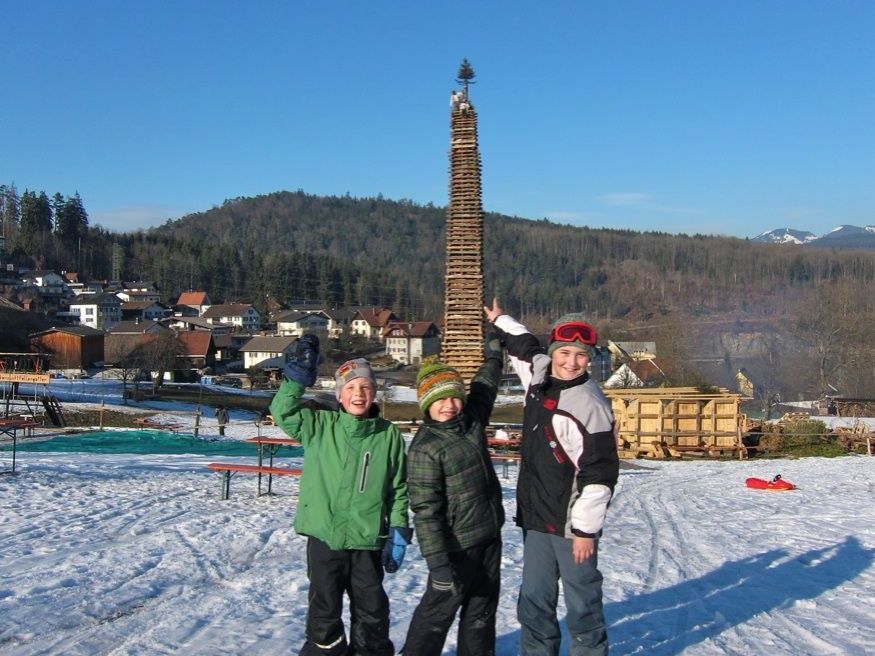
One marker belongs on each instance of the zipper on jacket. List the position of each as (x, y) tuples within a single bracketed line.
[(363, 481)]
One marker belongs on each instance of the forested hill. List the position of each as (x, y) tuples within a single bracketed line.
[(347, 250)]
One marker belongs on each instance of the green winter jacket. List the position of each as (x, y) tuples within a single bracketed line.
[(454, 492), (353, 487)]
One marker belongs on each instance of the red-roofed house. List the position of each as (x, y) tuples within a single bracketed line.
[(370, 322), (199, 301), (199, 352), (410, 342)]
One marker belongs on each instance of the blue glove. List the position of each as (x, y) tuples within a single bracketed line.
[(396, 545), (304, 365)]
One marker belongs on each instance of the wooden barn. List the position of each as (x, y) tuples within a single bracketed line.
[(70, 347)]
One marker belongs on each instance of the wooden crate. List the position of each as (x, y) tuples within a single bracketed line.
[(677, 421)]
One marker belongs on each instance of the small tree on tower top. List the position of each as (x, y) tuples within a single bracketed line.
[(466, 74)]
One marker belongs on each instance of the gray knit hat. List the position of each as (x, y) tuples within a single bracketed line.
[(350, 370), (573, 317)]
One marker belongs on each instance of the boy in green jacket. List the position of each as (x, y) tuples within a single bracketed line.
[(456, 498), (352, 503)]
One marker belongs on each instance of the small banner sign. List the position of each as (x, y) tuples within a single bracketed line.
[(40, 379)]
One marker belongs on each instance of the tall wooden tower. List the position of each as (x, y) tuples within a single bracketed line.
[(463, 284)]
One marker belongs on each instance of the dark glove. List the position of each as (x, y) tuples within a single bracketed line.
[(443, 579), (396, 545), (304, 365), (493, 346)]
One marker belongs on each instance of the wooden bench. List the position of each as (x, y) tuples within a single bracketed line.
[(506, 459), (229, 469)]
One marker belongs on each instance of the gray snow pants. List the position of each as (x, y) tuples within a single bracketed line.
[(546, 559)]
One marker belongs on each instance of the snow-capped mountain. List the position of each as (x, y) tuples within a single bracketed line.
[(785, 236), (843, 236)]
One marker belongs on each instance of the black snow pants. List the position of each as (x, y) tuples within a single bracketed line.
[(359, 574), (478, 579)]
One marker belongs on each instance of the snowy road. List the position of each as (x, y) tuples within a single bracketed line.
[(137, 555)]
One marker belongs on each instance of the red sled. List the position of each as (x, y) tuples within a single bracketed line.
[(777, 484)]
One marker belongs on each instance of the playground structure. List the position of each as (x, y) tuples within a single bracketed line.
[(28, 369), (678, 421)]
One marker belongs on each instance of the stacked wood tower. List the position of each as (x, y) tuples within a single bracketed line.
[(463, 284)]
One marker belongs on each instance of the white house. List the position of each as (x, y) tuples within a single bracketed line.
[(198, 301), (370, 322), (146, 310), (48, 283), (410, 342), (240, 315), (293, 323), (131, 296), (267, 351), (99, 311)]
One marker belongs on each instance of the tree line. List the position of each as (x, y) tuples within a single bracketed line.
[(373, 251)]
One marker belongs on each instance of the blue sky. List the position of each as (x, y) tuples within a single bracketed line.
[(678, 116)]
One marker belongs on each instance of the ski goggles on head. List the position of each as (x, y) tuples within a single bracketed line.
[(574, 331)]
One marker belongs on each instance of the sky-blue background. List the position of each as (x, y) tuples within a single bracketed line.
[(729, 117)]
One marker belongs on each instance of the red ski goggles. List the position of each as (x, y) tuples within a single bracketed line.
[(574, 331)]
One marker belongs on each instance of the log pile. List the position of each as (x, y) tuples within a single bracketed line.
[(463, 284)]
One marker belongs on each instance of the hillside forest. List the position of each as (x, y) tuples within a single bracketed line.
[(799, 320)]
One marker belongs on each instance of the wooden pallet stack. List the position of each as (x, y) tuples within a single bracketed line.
[(463, 284), (678, 421)]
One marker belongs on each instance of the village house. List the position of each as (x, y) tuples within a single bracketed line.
[(264, 352), (47, 283), (294, 323), (637, 373), (197, 323), (370, 322), (126, 336), (240, 315), (70, 347), (137, 296), (198, 355), (100, 311), (410, 342), (197, 301), (143, 310), (338, 322)]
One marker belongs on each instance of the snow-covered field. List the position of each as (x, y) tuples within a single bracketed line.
[(111, 554)]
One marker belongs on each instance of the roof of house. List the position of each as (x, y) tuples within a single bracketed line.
[(200, 322), (136, 327), (6, 303), (193, 298), (646, 371), (377, 317), (227, 310), (139, 305), (80, 331), (196, 342), (271, 344), (293, 316), (96, 299), (223, 341), (410, 328)]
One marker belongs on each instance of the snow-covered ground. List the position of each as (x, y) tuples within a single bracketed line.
[(115, 554)]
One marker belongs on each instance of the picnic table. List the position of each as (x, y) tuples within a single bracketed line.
[(268, 445), (10, 427)]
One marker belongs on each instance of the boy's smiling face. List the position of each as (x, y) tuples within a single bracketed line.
[(357, 396), (445, 409)]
